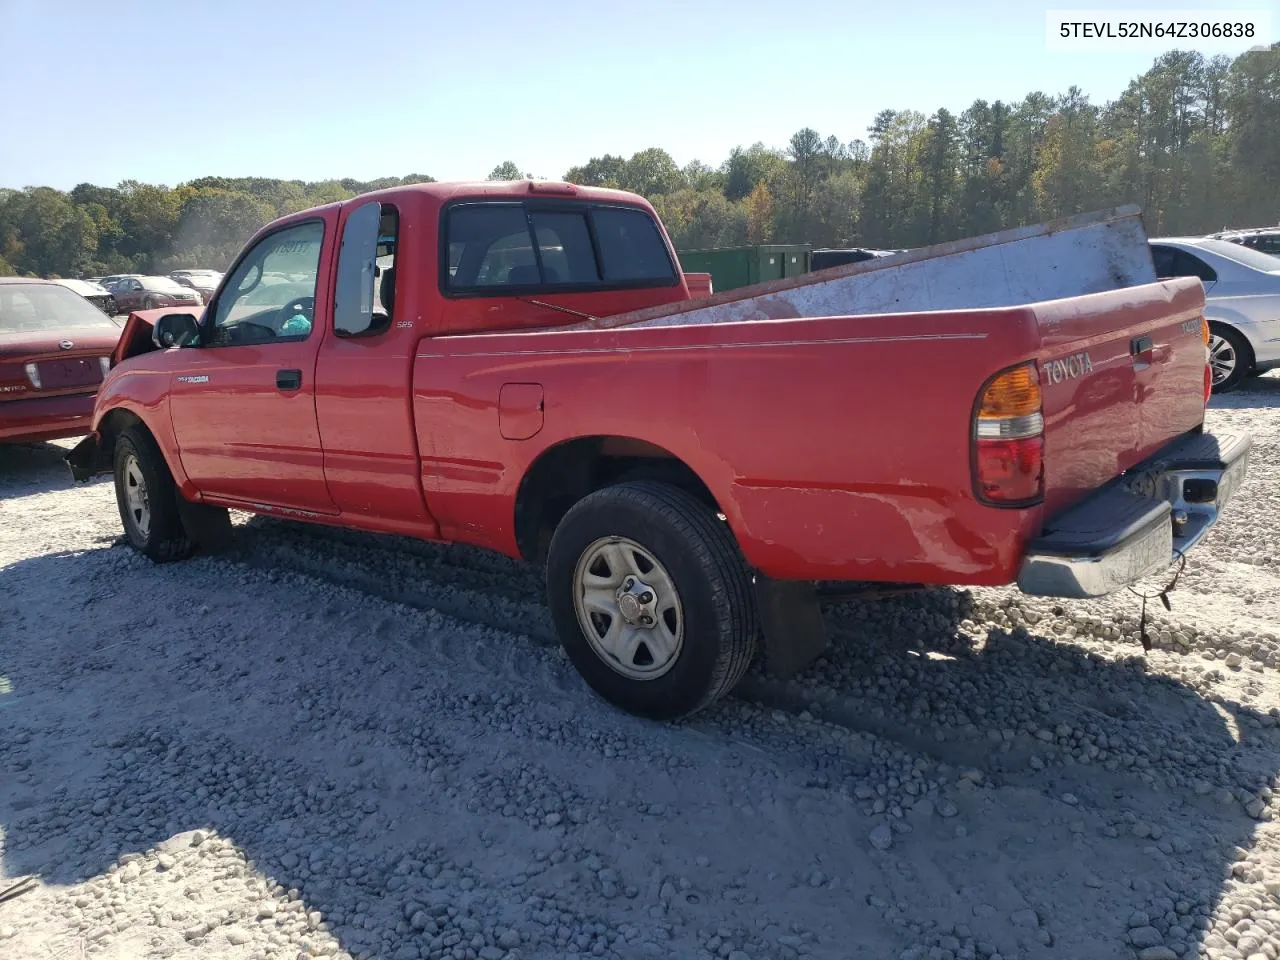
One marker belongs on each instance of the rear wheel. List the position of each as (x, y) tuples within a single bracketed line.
[(1230, 359), (651, 599), (148, 498)]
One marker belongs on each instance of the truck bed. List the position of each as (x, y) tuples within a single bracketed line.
[(1088, 253)]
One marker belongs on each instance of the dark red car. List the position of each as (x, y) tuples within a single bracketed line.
[(204, 282), (54, 351), (145, 293)]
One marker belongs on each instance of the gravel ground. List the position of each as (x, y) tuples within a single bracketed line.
[(327, 744)]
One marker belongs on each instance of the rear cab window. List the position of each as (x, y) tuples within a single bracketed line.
[(495, 248)]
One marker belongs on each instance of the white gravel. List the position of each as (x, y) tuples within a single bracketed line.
[(334, 745)]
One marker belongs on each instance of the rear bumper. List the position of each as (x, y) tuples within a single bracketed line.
[(45, 418), (1140, 523)]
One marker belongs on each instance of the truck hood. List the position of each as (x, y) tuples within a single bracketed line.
[(135, 339)]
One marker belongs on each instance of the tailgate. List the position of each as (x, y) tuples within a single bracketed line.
[(1122, 375)]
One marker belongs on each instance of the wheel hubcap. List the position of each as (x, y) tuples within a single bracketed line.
[(628, 608), (1222, 358), (135, 496)]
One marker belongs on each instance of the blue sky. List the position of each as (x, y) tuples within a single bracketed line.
[(322, 89)]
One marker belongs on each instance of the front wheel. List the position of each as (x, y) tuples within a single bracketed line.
[(148, 499), (651, 599), (1230, 359)]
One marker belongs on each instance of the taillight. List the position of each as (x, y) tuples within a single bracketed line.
[(13, 378), (1008, 438)]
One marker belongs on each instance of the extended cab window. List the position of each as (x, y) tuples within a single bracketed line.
[(271, 295), (364, 301), (496, 247)]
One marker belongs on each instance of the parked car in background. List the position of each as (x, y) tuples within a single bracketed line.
[(1265, 239), (55, 348), (110, 281), (204, 282), (1242, 302), (830, 257), (144, 293), (95, 293)]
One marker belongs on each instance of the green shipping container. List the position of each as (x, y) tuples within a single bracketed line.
[(732, 267)]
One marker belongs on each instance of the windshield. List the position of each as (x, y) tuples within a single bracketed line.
[(1241, 254), (41, 308), (273, 294)]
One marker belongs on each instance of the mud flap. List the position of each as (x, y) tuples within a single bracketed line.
[(207, 527), (791, 620), (85, 459)]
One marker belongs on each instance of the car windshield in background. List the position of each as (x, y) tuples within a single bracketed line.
[(46, 308), (1242, 254), (164, 285)]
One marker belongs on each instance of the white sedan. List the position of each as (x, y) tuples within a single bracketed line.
[(1242, 302)]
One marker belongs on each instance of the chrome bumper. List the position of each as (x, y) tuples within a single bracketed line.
[(1140, 523)]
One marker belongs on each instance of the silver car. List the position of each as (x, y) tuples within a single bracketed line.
[(1242, 302)]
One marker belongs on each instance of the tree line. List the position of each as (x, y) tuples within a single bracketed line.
[(1194, 141)]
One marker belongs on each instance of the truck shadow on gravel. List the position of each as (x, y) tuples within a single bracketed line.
[(1102, 808), (27, 468)]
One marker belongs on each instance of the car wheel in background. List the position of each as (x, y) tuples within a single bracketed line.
[(1230, 359)]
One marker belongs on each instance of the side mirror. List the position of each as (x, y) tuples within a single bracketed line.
[(175, 330)]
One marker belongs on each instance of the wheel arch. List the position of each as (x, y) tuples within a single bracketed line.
[(118, 419), (567, 471)]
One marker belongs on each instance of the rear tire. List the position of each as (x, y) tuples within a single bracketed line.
[(1229, 356), (148, 498), (629, 541)]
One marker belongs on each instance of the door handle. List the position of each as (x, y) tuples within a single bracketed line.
[(289, 379)]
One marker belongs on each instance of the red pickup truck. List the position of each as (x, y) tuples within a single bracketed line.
[(400, 362)]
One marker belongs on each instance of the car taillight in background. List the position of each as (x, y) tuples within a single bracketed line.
[(1008, 438), (13, 379)]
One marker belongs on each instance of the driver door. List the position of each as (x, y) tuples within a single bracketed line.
[(243, 402)]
